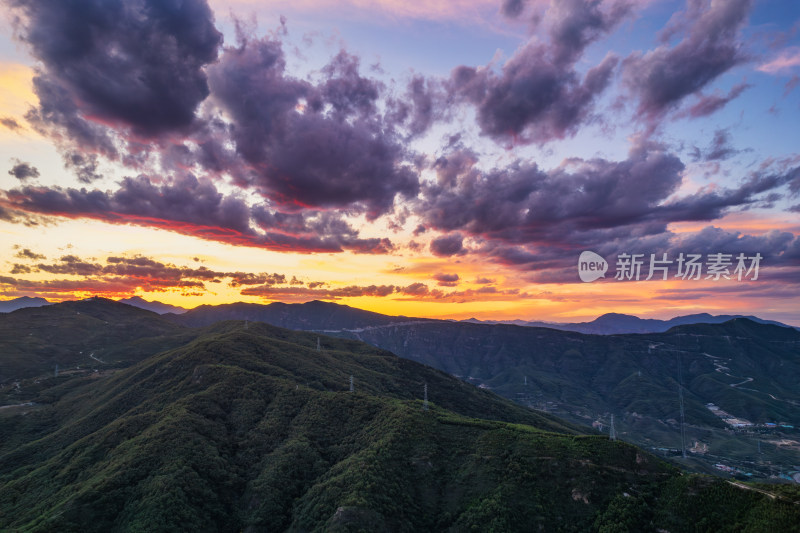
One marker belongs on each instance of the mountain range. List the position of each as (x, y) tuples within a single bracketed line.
[(276, 313), (151, 425), (8, 306), (615, 323), (747, 369)]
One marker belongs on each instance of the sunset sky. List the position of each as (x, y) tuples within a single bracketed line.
[(440, 159)]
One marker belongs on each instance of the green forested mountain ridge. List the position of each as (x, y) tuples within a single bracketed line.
[(749, 371), (746, 369), (616, 373), (82, 333), (251, 428)]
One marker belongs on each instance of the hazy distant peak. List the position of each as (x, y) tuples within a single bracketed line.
[(155, 306), (20, 303)]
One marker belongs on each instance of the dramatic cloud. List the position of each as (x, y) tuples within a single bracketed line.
[(311, 146), (522, 216), (132, 64), (709, 104), (65, 288), (195, 207), (26, 253), (516, 204), (127, 274), (539, 97), (23, 171), (446, 280), (83, 165), (574, 24), (448, 245), (535, 99), (661, 78), (418, 107), (420, 291)]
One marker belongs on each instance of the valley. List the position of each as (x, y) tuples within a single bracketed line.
[(153, 425)]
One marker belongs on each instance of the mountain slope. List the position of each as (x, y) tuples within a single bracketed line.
[(81, 333), (748, 370), (253, 429)]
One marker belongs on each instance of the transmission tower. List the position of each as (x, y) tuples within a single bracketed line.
[(352, 388), (245, 324), (425, 401), (319, 348), (680, 398), (612, 431), (526, 381)]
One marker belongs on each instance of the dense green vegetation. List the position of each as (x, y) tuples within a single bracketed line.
[(254, 429), (36, 339), (747, 369)]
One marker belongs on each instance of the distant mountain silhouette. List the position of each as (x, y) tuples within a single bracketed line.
[(315, 315), (154, 306), (22, 302), (617, 323)]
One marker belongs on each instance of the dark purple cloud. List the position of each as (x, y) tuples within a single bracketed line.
[(10, 123), (26, 253), (529, 218), (512, 8), (522, 203), (719, 148), (303, 154), (709, 104), (195, 207), (418, 107), (133, 64), (574, 24), (60, 117), (145, 273), (539, 96), (535, 99), (448, 245), (446, 280), (83, 165), (661, 78), (345, 89), (23, 171)]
